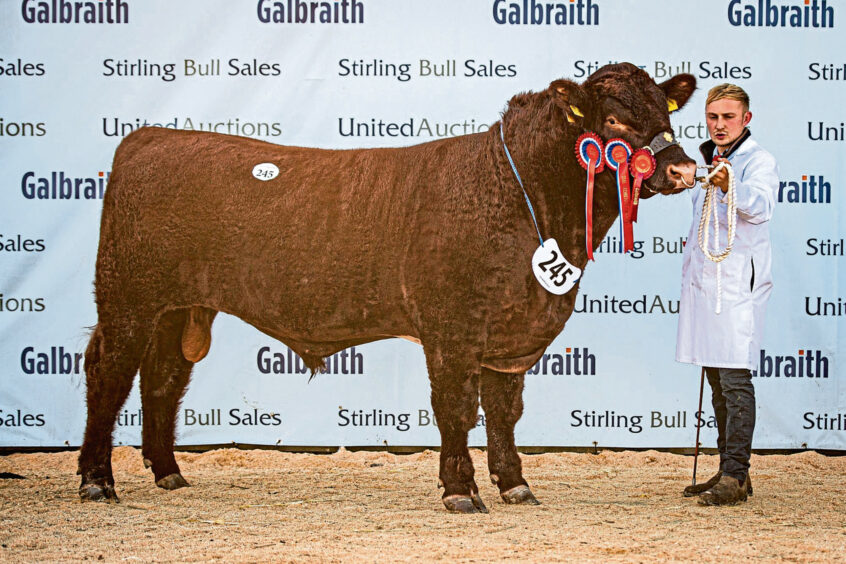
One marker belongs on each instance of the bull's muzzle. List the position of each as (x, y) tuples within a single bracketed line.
[(682, 175)]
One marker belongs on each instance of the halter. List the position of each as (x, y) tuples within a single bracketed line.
[(661, 141)]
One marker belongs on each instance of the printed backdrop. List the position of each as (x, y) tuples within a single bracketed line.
[(76, 77)]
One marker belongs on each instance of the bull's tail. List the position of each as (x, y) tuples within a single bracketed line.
[(94, 350), (314, 363), (93, 356)]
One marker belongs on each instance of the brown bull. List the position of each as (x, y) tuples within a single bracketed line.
[(431, 242)]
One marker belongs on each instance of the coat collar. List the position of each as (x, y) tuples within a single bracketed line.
[(707, 148)]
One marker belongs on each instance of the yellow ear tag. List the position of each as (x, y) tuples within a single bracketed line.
[(672, 105), (570, 119), (576, 111)]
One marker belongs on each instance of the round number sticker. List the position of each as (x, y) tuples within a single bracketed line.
[(265, 171)]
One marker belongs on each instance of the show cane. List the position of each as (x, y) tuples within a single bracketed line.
[(698, 426)]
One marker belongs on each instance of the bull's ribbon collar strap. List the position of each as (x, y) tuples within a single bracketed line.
[(520, 181)]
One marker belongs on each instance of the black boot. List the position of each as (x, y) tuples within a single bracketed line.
[(728, 491), (697, 489)]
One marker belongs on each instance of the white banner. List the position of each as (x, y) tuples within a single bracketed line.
[(76, 77)]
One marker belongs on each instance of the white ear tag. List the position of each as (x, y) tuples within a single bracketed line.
[(265, 171), (552, 270)]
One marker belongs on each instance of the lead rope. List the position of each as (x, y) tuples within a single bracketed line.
[(731, 211)]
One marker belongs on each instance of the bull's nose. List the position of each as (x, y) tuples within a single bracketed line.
[(682, 174)]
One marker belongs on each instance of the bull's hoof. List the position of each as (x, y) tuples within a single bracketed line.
[(173, 482), (520, 495), (477, 501), (465, 504), (98, 492)]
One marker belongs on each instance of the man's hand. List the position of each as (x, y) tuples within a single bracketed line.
[(721, 179)]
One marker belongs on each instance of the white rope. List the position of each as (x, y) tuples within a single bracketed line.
[(708, 206)]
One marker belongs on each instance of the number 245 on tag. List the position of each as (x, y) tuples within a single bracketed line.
[(552, 269)]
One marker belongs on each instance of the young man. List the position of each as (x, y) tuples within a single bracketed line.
[(728, 343)]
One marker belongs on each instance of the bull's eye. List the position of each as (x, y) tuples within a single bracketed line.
[(614, 123), (616, 126)]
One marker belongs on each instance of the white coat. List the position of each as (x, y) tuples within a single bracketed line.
[(731, 339)]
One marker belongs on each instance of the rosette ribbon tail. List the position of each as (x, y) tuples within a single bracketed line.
[(591, 173), (626, 207), (589, 156), (636, 195), (642, 165)]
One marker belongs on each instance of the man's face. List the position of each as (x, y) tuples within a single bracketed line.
[(726, 120)]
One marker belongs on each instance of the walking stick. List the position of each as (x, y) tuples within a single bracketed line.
[(696, 448)]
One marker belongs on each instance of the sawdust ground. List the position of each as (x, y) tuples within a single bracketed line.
[(262, 505)]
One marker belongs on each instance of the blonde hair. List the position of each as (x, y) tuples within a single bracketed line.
[(729, 91)]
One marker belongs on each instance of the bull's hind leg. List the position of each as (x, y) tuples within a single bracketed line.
[(164, 375), (455, 402), (502, 400), (111, 361)]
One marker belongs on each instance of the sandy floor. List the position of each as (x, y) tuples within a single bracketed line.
[(260, 505)]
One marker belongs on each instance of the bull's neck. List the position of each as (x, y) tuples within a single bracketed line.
[(556, 185)]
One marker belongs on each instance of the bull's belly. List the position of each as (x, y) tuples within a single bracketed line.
[(513, 364), (320, 316), (516, 343), (324, 336), (308, 302)]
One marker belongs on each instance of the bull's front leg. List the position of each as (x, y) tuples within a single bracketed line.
[(455, 402), (502, 400)]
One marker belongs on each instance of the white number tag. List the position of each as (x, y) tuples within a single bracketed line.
[(552, 270), (265, 171)]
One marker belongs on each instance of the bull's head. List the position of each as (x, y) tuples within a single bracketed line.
[(623, 101)]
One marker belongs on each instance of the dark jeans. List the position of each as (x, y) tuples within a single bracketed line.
[(733, 398)]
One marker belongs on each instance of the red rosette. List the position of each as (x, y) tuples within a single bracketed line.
[(589, 147), (617, 151), (642, 164)]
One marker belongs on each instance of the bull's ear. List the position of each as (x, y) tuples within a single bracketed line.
[(571, 98), (678, 90)]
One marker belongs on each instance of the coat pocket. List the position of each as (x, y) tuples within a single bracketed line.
[(735, 272), (752, 278)]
